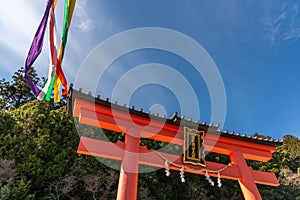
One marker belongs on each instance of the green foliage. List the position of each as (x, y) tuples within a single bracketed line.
[(17, 92), (16, 189), (42, 143), (291, 146), (281, 192)]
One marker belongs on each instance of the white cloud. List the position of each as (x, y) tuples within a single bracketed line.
[(284, 25), (82, 19), (18, 23)]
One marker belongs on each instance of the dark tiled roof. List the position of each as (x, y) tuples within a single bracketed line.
[(175, 119)]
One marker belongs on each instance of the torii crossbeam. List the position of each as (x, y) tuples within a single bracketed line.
[(101, 113)]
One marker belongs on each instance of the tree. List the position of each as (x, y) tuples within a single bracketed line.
[(17, 92)]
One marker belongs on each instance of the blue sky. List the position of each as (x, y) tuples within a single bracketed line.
[(255, 45)]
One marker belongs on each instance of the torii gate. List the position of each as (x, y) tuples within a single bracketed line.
[(101, 113)]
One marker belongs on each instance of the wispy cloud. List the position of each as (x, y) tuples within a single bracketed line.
[(18, 22), (82, 19), (284, 25)]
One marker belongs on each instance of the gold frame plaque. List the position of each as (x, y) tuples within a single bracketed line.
[(193, 148)]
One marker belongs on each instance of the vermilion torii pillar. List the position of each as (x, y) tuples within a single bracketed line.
[(246, 181), (103, 114), (128, 180)]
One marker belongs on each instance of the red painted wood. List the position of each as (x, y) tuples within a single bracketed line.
[(174, 134), (90, 146), (128, 180), (246, 181)]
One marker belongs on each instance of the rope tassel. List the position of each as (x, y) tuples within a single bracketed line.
[(219, 180), (182, 167), (182, 174), (167, 168), (207, 177)]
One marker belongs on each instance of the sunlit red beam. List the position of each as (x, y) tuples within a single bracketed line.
[(99, 148)]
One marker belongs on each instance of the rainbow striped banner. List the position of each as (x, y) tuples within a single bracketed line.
[(55, 73)]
